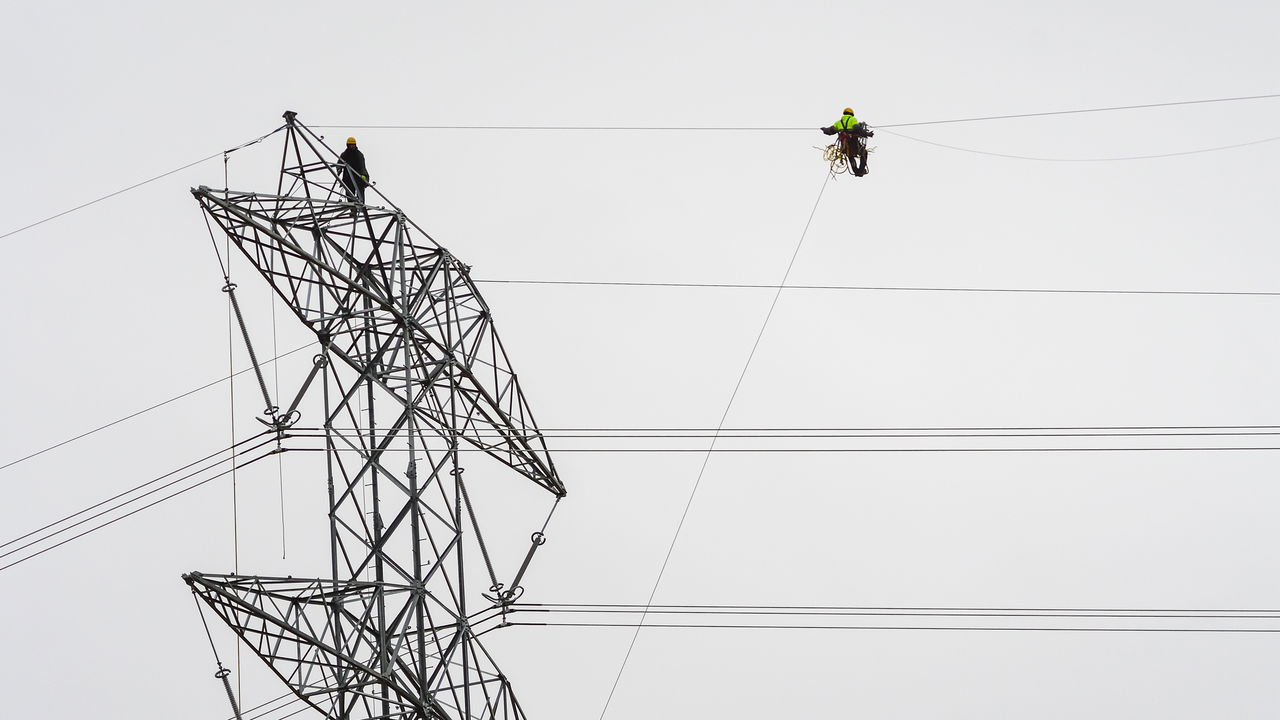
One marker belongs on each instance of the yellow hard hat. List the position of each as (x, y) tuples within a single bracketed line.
[(847, 111), (351, 141)]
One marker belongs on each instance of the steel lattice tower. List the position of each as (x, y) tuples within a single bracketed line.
[(411, 367)]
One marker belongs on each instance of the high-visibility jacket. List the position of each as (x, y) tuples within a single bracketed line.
[(846, 122)]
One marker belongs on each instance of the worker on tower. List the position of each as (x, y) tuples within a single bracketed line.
[(853, 140), (355, 175)]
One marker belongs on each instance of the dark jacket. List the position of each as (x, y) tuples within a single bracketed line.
[(354, 161)]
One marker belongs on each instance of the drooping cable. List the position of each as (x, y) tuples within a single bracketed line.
[(906, 610), (133, 512), (631, 128), (145, 410), (136, 185), (967, 628), (877, 288), (1123, 158), (723, 128), (113, 498), (850, 450)]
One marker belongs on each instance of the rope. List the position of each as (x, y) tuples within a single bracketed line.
[(707, 457)]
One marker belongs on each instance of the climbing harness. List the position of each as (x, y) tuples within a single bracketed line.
[(837, 153)]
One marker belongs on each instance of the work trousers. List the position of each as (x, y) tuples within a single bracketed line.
[(856, 148)]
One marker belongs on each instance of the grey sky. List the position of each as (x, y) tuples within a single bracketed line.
[(116, 307)]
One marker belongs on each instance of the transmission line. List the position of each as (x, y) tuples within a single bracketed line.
[(1198, 151), (1010, 611), (47, 532), (838, 617), (148, 181), (970, 628), (817, 434), (686, 128), (143, 411), (130, 491), (838, 450), (264, 713), (879, 288), (728, 128), (50, 535)]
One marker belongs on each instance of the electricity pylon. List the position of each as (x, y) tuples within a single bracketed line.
[(411, 368)]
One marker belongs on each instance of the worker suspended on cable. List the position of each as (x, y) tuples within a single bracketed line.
[(355, 175), (853, 140)]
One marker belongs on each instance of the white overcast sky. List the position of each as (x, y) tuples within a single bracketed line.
[(116, 307)]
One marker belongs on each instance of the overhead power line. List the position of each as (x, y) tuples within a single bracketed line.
[(999, 611), (266, 712), (677, 128), (110, 195), (840, 450), (64, 525), (967, 628), (1112, 108), (731, 128), (702, 434), (912, 428), (136, 185), (130, 491), (877, 288), (47, 533), (875, 618), (146, 410), (1121, 158)]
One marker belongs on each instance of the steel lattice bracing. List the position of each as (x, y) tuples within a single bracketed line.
[(412, 368), (394, 305)]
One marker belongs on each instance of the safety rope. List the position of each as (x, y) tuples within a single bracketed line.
[(223, 673)]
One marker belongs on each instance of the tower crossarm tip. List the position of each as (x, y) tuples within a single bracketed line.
[(383, 307)]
